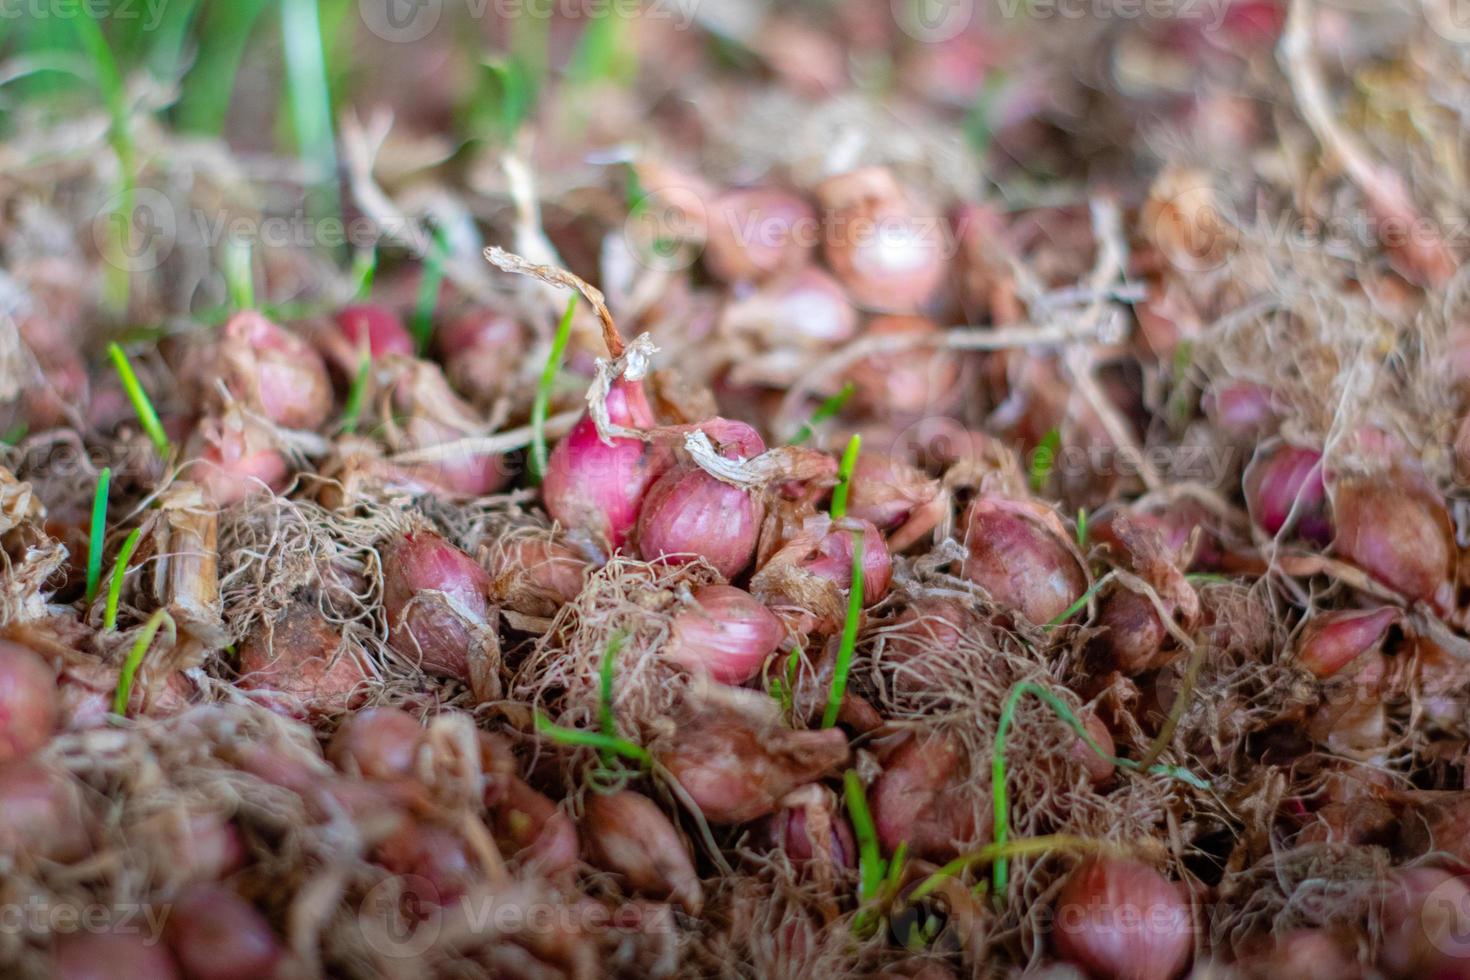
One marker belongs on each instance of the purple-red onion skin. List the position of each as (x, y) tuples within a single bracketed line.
[(1332, 640), (424, 626), (298, 667), (1099, 770), (599, 486), (280, 374), (1396, 531), (687, 514), (480, 349), (885, 491), (1021, 562), (888, 250), (1426, 925), (436, 858), (629, 835), (1132, 634), (1288, 477), (28, 701), (377, 326), (790, 830), (378, 743), (44, 813), (535, 575), (217, 935), (916, 800), (1122, 920), (832, 559), (538, 830), (927, 624), (727, 634), (757, 232), (87, 955), (908, 382)]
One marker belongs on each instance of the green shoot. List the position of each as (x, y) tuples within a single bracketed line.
[(605, 718), (139, 398), (207, 89), (97, 532), (306, 81), (135, 660), (239, 275), (352, 410), (364, 267), (15, 433), (596, 740), (1001, 870), (507, 94), (1044, 459), (602, 53), (1206, 577), (992, 852), (114, 94), (844, 476), (871, 868), (422, 324), (542, 403), (1082, 527), (849, 634), (824, 411), (1075, 607), (119, 572)]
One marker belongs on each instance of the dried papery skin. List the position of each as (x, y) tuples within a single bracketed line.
[(302, 666), (274, 372), (898, 499), (918, 799), (234, 457), (806, 581), (983, 265), (1283, 479), (1020, 554), (908, 382), (1122, 920), (1176, 524), (85, 692), (1332, 640), (1303, 954), (45, 815), (1351, 719), (534, 574), (480, 349), (438, 614), (758, 232), (886, 246), (805, 309), (1396, 529), (689, 513), (185, 540), (1133, 638), (726, 634), (1185, 218), (217, 935), (736, 762), (378, 743), (437, 858), (537, 830), (91, 955), (809, 830), (431, 415), (598, 486), (28, 701), (1437, 823), (626, 833), (832, 556)]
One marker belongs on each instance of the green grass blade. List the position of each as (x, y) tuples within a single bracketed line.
[(135, 660), (1044, 459), (824, 411), (1082, 527), (606, 720), (849, 635), (208, 87), (364, 268), (142, 407), (542, 403), (97, 533), (239, 274), (119, 572), (844, 476), (311, 104), (115, 98), (596, 740), (1075, 607), (422, 323), (352, 410), (870, 858)]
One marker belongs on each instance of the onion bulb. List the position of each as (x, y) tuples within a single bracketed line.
[(630, 836), (726, 634), (1122, 920), (28, 701)]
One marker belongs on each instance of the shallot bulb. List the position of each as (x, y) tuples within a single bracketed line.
[(1426, 924), (919, 799), (235, 457), (1287, 480), (910, 643), (598, 486), (438, 613), (1330, 641), (1020, 554), (887, 247), (534, 574), (275, 372), (480, 349), (1242, 408), (906, 382), (832, 558), (535, 827), (896, 498), (375, 327), (807, 829), (437, 859), (1122, 920), (630, 836), (378, 743), (190, 846), (217, 935), (737, 762), (803, 309), (1396, 529), (28, 701), (726, 634), (90, 955), (1099, 770), (300, 665), (433, 415), (44, 814), (757, 232), (688, 513)]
